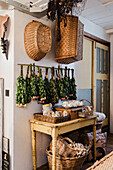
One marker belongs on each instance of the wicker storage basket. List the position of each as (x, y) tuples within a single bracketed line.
[(70, 48), (63, 147), (37, 40), (66, 163), (50, 119), (86, 113)]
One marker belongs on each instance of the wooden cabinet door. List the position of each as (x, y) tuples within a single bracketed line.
[(100, 83)]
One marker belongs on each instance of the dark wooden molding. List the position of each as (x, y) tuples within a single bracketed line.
[(97, 39)]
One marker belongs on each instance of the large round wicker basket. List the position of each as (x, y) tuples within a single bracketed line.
[(63, 163), (65, 154), (37, 40), (70, 48)]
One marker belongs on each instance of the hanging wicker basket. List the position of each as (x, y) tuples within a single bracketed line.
[(37, 40), (70, 48)]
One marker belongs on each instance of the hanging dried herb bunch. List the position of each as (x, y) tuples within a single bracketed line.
[(28, 86), (42, 92), (72, 87), (57, 9), (33, 83), (21, 96), (69, 80), (66, 85), (47, 87), (59, 84), (53, 91)]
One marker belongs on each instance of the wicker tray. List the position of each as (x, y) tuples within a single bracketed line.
[(86, 113), (50, 119)]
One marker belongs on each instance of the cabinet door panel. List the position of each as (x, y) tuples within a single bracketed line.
[(100, 83)]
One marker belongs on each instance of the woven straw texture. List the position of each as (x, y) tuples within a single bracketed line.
[(63, 147), (65, 155), (37, 40), (105, 163), (50, 119), (66, 163), (70, 48)]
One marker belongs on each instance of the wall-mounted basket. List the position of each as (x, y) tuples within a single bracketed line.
[(37, 40), (70, 48)]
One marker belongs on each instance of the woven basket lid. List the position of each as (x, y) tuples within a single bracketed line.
[(37, 40)]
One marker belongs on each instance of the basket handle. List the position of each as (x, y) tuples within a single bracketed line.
[(49, 152), (68, 139), (86, 101), (88, 108)]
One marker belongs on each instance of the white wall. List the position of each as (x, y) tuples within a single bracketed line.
[(22, 133), (94, 29), (83, 67), (7, 72), (17, 119)]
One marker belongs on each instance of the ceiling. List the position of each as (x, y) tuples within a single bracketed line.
[(94, 11), (99, 14)]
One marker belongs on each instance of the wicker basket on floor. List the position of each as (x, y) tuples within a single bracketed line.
[(37, 40), (70, 161), (63, 147), (70, 48), (66, 163)]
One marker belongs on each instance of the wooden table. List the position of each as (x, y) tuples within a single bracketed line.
[(57, 129)]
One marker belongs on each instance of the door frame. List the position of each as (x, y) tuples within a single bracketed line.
[(95, 39)]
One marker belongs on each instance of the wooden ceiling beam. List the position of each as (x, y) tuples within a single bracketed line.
[(109, 31)]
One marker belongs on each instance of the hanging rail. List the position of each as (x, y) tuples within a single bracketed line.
[(45, 66)]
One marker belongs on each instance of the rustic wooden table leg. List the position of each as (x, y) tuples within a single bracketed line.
[(34, 149), (54, 139), (94, 136)]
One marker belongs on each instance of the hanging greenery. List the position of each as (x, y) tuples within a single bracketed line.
[(47, 87), (42, 92), (66, 85), (69, 81), (58, 9), (21, 97), (72, 87), (33, 83), (59, 85), (28, 86), (34, 87), (53, 91)]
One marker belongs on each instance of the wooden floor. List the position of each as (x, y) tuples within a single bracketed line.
[(86, 165)]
